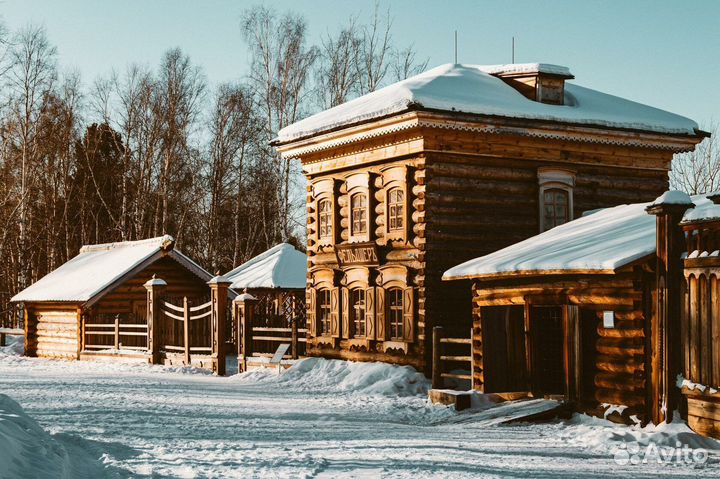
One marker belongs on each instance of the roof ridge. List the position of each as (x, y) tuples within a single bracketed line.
[(159, 240), (265, 254)]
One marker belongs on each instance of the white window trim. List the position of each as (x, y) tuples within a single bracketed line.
[(554, 179)]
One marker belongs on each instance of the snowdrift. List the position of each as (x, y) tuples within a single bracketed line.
[(320, 375), (28, 451), (600, 434), (15, 346)]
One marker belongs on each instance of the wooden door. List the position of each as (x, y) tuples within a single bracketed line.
[(548, 350)]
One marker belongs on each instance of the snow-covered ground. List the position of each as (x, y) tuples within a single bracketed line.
[(319, 419)]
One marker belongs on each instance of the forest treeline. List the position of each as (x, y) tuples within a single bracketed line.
[(146, 151)]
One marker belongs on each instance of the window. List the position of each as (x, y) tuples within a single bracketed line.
[(555, 208), (358, 205), (396, 205), (325, 219), (357, 311), (556, 197), (323, 311), (395, 313)]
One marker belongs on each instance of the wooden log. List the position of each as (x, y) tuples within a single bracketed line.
[(622, 382), (625, 398)]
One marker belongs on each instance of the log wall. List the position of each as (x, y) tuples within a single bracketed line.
[(53, 331), (478, 204), (619, 373)]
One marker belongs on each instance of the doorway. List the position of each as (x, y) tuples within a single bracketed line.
[(548, 350)]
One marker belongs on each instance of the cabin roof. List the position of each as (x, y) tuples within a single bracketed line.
[(473, 89), (99, 268), (282, 266), (599, 242)]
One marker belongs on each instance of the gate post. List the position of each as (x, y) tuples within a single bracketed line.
[(155, 289), (437, 379), (219, 289), (243, 310)]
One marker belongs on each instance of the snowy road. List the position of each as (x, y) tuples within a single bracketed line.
[(152, 422)]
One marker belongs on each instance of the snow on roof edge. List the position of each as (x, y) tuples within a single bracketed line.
[(474, 95)]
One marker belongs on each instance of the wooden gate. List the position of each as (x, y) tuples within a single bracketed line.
[(267, 319), (185, 332)]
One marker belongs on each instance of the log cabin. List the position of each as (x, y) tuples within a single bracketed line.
[(448, 165), (601, 312), (95, 305)]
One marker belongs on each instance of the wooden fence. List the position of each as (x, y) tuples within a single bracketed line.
[(12, 322), (101, 336), (446, 352)]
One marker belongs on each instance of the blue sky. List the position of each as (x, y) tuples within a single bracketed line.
[(663, 53)]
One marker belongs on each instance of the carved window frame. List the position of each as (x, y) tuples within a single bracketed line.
[(324, 189), (396, 277), (554, 179), (359, 184), (396, 177)]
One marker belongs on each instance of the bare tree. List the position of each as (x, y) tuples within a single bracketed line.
[(337, 74), (179, 92), (698, 171), (31, 77), (405, 65), (375, 51), (281, 64)]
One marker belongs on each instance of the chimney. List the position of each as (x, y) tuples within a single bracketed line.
[(540, 82)]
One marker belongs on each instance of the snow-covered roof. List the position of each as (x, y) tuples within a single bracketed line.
[(704, 210), (98, 267), (472, 89), (598, 242), (282, 266)]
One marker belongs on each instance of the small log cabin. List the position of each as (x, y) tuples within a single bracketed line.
[(456, 162), (95, 305), (276, 279), (597, 311)]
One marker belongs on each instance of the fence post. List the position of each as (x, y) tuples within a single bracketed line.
[(117, 332), (155, 289), (244, 308), (437, 379), (294, 337), (219, 289), (186, 331)]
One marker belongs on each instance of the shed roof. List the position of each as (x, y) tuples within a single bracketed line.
[(473, 89), (98, 268), (598, 242), (282, 266)]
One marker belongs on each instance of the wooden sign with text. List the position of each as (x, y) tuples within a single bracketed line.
[(358, 254)]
